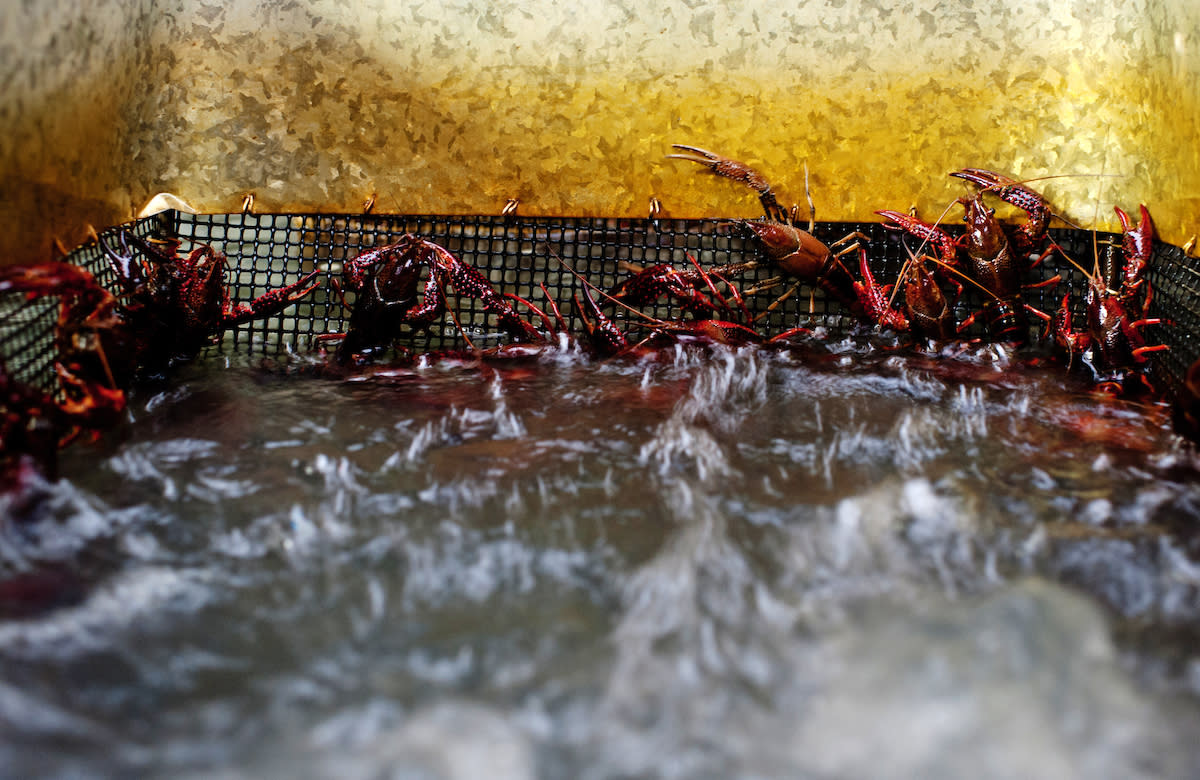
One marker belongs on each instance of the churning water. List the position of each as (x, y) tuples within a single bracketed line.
[(825, 563)]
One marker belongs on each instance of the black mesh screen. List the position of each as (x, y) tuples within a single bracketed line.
[(1175, 288), (27, 322), (520, 254)]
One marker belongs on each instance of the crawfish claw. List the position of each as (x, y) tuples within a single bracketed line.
[(1008, 190), (946, 247), (739, 172), (697, 155), (1029, 236), (984, 178), (1138, 240), (723, 166)]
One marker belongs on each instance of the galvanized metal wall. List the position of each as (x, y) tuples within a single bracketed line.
[(439, 107)]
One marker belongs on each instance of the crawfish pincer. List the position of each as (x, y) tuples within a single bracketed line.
[(1028, 237)]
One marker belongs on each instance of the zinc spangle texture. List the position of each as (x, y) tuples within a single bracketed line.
[(456, 107)]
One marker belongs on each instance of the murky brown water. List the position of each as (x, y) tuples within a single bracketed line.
[(715, 564)]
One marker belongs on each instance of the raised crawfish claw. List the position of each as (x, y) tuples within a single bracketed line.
[(735, 171)]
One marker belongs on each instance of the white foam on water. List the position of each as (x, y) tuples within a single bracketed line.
[(1022, 684), (801, 572), (722, 394), (831, 671), (130, 599), (458, 425)]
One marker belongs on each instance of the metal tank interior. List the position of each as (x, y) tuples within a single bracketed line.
[(841, 554)]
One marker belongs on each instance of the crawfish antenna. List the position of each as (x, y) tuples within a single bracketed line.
[(812, 208), (602, 293), (912, 256)]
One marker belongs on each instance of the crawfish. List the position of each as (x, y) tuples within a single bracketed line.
[(693, 288), (1115, 334), (1137, 245), (1066, 339), (386, 281), (874, 298), (992, 262), (92, 343), (34, 424), (608, 340), (175, 304), (1027, 238), (603, 334), (797, 254), (29, 431), (993, 266), (929, 314)]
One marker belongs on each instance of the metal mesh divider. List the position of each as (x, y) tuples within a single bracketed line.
[(1174, 279), (519, 255)]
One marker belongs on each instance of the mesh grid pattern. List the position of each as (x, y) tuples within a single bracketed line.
[(519, 255), (27, 323), (1174, 279)]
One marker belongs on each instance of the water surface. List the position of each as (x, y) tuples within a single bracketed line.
[(821, 562)]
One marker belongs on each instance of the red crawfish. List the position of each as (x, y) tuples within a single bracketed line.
[(387, 282), (994, 266), (610, 341), (1114, 324), (694, 289), (797, 254), (174, 304), (1137, 246), (30, 430), (603, 334), (1066, 339), (927, 313), (930, 313), (1029, 237), (874, 298), (994, 263), (34, 424), (92, 343)]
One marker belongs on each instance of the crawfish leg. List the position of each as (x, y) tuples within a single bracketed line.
[(468, 281), (778, 301), (271, 302), (846, 239)]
